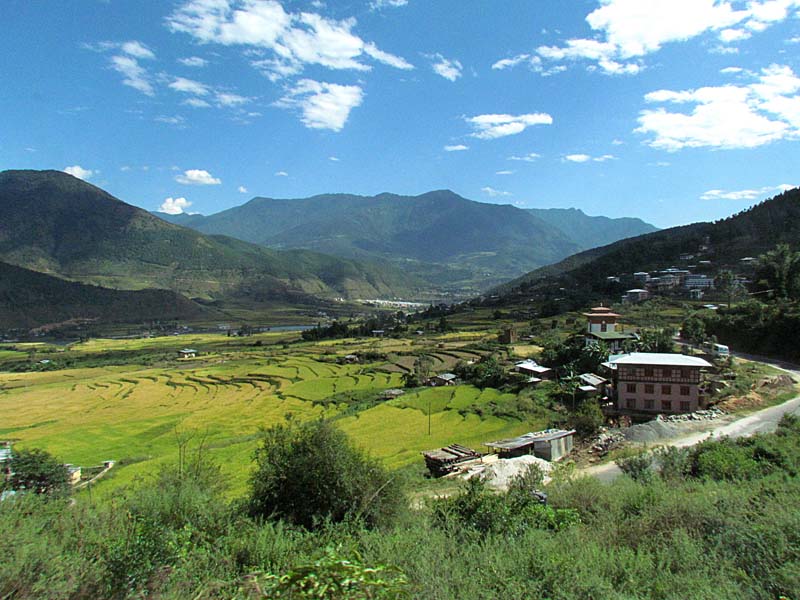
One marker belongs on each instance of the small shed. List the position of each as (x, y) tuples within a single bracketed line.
[(550, 444), (351, 358), (443, 379), (442, 461), (392, 393), (187, 353)]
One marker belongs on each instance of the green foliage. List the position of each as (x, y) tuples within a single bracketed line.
[(37, 471), (587, 419), (779, 270), (486, 373), (336, 576), (638, 467), (478, 510), (309, 473), (673, 463), (694, 330)]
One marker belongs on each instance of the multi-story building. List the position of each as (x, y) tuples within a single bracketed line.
[(602, 327), (649, 382)]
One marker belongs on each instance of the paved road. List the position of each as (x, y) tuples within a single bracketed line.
[(762, 421)]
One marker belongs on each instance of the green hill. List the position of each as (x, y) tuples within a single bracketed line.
[(440, 236), (30, 299), (722, 243), (55, 223)]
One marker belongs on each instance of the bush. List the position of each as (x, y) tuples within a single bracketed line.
[(638, 467), (309, 473), (37, 471)]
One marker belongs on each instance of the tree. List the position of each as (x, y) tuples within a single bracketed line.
[(694, 330), (421, 372), (309, 473), (727, 284), (37, 471), (779, 269)]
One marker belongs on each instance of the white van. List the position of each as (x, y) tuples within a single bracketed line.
[(720, 350)]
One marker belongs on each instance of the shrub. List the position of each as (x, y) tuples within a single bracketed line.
[(638, 467), (309, 473), (37, 471)]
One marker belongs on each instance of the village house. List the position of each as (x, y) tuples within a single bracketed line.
[(443, 379), (635, 296), (592, 384), (650, 382), (602, 327), (550, 444), (701, 282), (187, 353), (507, 336)]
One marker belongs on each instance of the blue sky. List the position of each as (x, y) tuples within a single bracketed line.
[(670, 110)]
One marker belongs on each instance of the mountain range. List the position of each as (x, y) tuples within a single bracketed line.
[(438, 236), (57, 224)]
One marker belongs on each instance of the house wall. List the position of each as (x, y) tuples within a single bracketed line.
[(658, 389)]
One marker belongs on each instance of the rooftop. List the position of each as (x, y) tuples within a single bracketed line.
[(660, 359), (530, 438), (612, 335)]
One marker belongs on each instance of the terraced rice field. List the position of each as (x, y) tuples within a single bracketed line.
[(134, 414)]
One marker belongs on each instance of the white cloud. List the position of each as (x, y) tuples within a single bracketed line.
[(397, 62), (456, 148), (196, 103), (137, 50), (322, 105), (450, 69), (125, 168), (134, 75), (229, 99), (378, 4), (490, 191), (174, 206), (493, 126), (333, 158), (507, 63), (578, 158), (189, 86), (293, 39), (176, 120), (193, 61), (242, 190), (729, 116), (628, 30), (281, 174), (504, 172), (530, 157), (197, 177), (745, 194), (731, 70), (79, 172)]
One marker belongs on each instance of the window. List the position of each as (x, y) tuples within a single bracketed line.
[(631, 388), (686, 373), (666, 405), (676, 372), (649, 403), (603, 326), (648, 372), (649, 388), (666, 390), (630, 403), (685, 406), (685, 391)]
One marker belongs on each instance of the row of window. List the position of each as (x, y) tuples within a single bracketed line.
[(650, 404), (651, 372), (650, 388)]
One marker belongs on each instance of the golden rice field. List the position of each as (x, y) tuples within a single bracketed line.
[(133, 414)]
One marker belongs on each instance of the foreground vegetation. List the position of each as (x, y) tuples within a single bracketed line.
[(719, 521)]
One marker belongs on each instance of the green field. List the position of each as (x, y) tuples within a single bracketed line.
[(134, 410)]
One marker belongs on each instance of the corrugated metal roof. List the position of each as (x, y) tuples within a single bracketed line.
[(530, 438), (661, 359)]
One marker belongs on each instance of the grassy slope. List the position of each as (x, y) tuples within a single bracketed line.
[(55, 223), (30, 299)]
